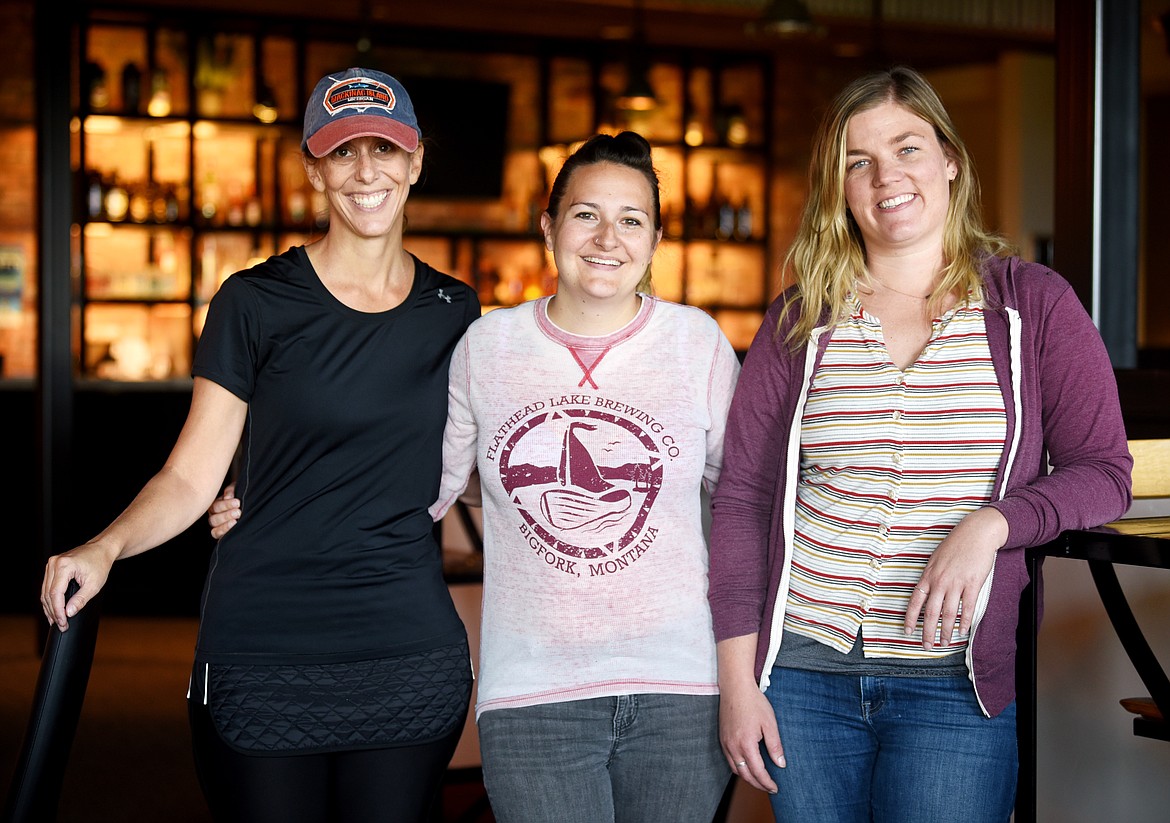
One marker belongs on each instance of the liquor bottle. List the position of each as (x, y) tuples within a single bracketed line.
[(117, 201), (131, 88), (727, 213), (744, 223), (235, 204), (253, 211), (297, 206), (99, 89), (158, 203), (159, 104), (692, 222), (95, 195), (209, 198), (139, 202), (710, 212), (172, 198)]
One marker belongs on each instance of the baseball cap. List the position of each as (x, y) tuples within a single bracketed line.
[(358, 103)]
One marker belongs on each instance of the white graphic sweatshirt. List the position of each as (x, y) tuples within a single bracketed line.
[(591, 452)]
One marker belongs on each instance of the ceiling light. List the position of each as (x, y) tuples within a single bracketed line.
[(786, 17), (638, 94)]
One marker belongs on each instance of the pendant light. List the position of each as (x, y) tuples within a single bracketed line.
[(638, 94), (786, 17)]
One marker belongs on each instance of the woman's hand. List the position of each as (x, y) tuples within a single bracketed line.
[(745, 715), (954, 575), (173, 499), (89, 565), (224, 512)]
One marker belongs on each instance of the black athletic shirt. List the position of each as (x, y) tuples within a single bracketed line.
[(334, 557)]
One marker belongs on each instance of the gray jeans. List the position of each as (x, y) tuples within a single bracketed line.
[(639, 758)]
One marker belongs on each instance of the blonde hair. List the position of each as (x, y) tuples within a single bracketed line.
[(828, 255)]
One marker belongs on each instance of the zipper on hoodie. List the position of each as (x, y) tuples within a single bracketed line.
[(1013, 446)]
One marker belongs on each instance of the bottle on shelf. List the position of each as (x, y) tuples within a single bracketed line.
[(158, 203), (159, 104), (171, 196), (117, 201), (140, 202), (209, 199), (95, 195), (296, 205), (691, 220), (235, 204), (98, 86), (131, 88), (709, 214), (253, 210), (727, 216), (672, 221), (744, 221)]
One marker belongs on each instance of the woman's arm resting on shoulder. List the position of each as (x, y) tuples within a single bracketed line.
[(460, 435), (224, 512), (745, 715), (170, 501)]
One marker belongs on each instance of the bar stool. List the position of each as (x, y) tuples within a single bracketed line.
[(35, 790)]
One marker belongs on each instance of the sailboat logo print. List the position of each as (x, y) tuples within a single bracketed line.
[(585, 500), (582, 479)]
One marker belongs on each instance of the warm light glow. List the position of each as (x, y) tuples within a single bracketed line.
[(103, 124), (93, 230), (160, 95), (737, 131), (265, 113), (553, 155), (174, 130), (694, 134), (265, 108), (638, 102), (160, 104), (787, 17), (639, 94)]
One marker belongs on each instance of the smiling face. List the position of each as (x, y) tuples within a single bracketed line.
[(366, 181), (897, 180), (603, 237)]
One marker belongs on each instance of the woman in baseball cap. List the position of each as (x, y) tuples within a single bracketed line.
[(332, 675)]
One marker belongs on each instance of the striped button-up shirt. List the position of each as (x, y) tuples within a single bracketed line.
[(890, 462)]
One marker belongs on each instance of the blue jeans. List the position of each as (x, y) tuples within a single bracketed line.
[(889, 750), (637, 758)]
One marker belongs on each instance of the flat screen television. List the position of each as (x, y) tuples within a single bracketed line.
[(465, 130)]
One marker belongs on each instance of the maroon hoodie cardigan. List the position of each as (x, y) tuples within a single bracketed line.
[(1065, 463)]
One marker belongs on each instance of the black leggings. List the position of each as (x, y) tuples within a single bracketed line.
[(396, 785)]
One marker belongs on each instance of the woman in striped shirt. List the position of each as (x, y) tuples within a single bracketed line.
[(919, 408)]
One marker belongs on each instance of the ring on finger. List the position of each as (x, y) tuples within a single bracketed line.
[(740, 763)]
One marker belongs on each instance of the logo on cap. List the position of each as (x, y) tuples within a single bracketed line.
[(359, 93)]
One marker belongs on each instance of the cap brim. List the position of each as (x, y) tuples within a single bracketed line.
[(333, 134)]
